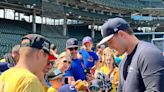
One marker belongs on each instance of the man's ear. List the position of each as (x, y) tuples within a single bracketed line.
[(40, 53), (121, 34)]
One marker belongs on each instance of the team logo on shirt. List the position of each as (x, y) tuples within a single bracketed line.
[(90, 59)]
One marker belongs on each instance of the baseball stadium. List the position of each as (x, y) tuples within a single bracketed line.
[(70, 31)]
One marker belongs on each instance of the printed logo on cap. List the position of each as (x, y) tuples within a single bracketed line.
[(45, 46)]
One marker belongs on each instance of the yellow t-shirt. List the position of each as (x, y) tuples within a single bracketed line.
[(114, 77), (105, 70), (51, 89), (19, 80)]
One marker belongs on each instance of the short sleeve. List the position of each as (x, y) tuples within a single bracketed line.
[(30, 85)]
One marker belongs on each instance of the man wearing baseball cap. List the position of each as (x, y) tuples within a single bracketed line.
[(34, 51), (76, 70), (143, 69)]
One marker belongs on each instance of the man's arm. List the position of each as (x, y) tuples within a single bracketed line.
[(151, 67)]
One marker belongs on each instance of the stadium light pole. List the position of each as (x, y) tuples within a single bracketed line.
[(65, 26), (34, 20), (92, 30)]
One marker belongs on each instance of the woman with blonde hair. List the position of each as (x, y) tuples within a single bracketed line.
[(109, 68)]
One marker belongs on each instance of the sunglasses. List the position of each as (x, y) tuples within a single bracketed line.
[(71, 49), (65, 61), (50, 62)]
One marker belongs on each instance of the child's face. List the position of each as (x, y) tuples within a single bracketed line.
[(88, 45), (108, 59)]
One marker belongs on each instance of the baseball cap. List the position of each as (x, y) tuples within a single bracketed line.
[(112, 26), (54, 74), (37, 41), (67, 88), (95, 84), (87, 39), (51, 57), (72, 42)]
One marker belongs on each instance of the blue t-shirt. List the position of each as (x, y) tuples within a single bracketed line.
[(88, 58), (76, 70)]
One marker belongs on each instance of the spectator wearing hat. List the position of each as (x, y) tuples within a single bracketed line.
[(10, 59), (34, 51), (76, 71), (88, 56), (47, 68), (143, 69), (55, 76)]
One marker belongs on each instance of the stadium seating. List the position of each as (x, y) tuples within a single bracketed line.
[(132, 4), (12, 31), (15, 27), (8, 41), (60, 42), (79, 12), (78, 31), (98, 37), (153, 3), (26, 2), (10, 34), (52, 31)]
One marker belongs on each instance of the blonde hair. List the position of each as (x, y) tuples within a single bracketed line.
[(108, 50), (110, 53), (62, 55)]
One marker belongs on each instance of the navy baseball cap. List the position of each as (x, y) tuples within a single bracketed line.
[(37, 41), (112, 26), (71, 43), (67, 88), (87, 39)]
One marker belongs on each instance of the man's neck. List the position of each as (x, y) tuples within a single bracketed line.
[(134, 41), (24, 64)]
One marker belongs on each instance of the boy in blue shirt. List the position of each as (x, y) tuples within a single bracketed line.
[(88, 56)]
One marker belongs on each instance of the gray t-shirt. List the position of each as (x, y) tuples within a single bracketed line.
[(146, 71)]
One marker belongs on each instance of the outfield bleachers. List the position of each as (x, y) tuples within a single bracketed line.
[(130, 4), (11, 33), (79, 12), (153, 3)]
